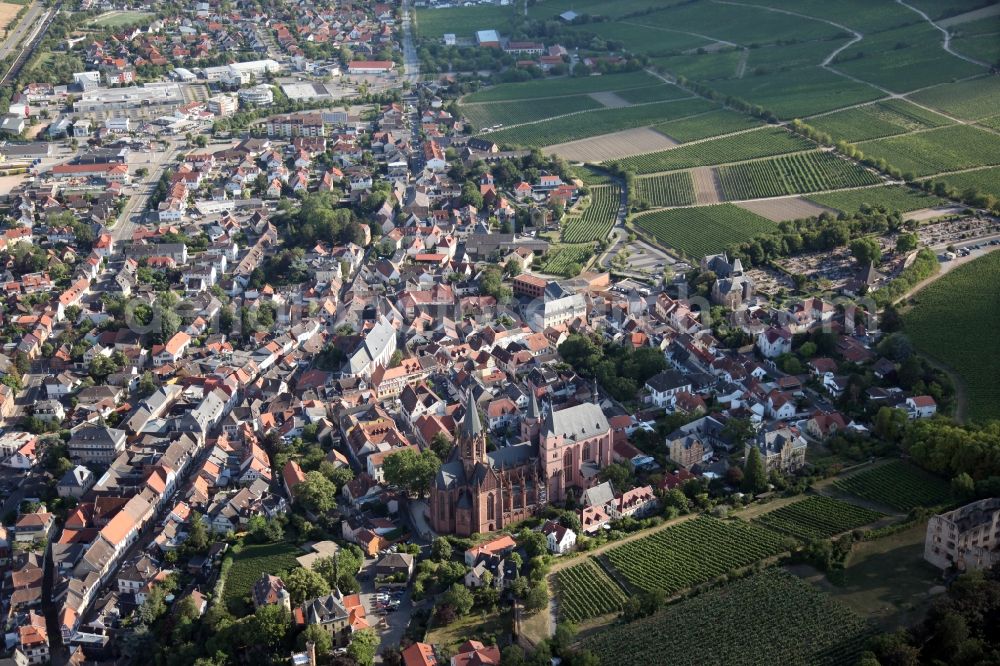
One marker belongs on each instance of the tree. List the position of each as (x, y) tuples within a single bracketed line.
[(314, 633), (316, 493), (305, 584), (907, 242), (441, 549), (513, 267), (270, 625), (866, 251), (411, 470), (754, 474), (197, 533), (619, 476), (441, 446), (538, 597), (459, 598), (963, 487), (363, 646)]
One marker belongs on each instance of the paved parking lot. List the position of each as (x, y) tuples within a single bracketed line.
[(391, 626)]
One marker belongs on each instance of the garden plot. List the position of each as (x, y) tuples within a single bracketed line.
[(612, 146)]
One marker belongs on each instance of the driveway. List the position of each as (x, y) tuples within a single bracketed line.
[(390, 626)]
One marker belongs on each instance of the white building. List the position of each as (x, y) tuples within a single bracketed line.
[(966, 538), (87, 80), (259, 95), (118, 125), (161, 95), (559, 311), (223, 105), (241, 73)]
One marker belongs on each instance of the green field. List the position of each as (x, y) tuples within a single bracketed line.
[(892, 197), (713, 123), (563, 257), (904, 59), (799, 92), (248, 565), (586, 591), (878, 120), (463, 21), (949, 322), (513, 113), (897, 484), (817, 517), (704, 229), (669, 189), (765, 619), (740, 24), (986, 181), (945, 149), (597, 219), (591, 175), (970, 100), (792, 174), (643, 39), (594, 123), (532, 90), (691, 553), (762, 143), (121, 19), (659, 93)]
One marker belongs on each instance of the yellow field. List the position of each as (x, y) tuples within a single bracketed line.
[(7, 13)]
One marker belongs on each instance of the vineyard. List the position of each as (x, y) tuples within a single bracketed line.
[(704, 229), (817, 517), (591, 175), (944, 149), (761, 143), (671, 189), (983, 180), (597, 219), (713, 123), (585, 591), (971, 100), (692, 552), (892, 197), (878, 120), (769, 618), (512, 113), (532, 90), (249, 563), (565, 259), (594, 123), (792, 174), (651, 94), (898, 485)]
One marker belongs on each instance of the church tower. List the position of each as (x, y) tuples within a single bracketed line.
[(472, 438), (531, 423)]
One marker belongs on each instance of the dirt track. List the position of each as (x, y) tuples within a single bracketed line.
[(706, 186), (612, 146)]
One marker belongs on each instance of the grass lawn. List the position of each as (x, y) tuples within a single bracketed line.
[(463, 22), (119, 19), (886, 580), (474, 626), (248, 565)]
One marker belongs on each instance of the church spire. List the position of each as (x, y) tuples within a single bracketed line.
[(533, 411), (471, 425)]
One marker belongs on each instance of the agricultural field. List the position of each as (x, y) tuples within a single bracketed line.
[(120, 19), (670, 189), (798, 93), (709, 66), (586, 591), (513, 113), (986, 181), (248, 565), (642, 38), (548, 9), (463, 21), (691, 553), (532, 90), (904, 59), (595, 123), (948, 323), (785, 208), (713, 123), (944, 149), (969, 100), (892, 197), (659, 93), (792, 174), (897, 484), (817, 517), (760, 143), (769, 618), (878, 120), (704, 229), (563, 259), (597, 219), (591, 175)]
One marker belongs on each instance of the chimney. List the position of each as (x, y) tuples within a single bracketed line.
[(311, 649)]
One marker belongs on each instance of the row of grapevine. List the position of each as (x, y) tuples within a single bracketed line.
[(817, 517), (769, 618), (792, 174), (702, 230), (669, 189), (691, 553), (586, 591), (898, 485), (563, 260), (758, 143), (597, 219)]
